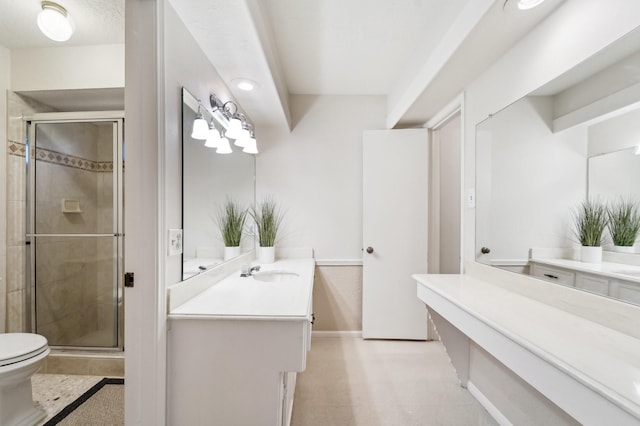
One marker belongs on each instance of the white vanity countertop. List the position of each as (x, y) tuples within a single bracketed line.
[(246, 297), (601, 358), (608, 269)]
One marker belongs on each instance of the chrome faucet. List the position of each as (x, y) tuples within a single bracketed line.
[(247, 271)]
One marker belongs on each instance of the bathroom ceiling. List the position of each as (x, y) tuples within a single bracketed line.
[(419, 54)]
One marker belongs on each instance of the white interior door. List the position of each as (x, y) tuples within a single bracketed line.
[(395, 198)]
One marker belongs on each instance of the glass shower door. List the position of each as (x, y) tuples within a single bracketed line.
[(75, 231)]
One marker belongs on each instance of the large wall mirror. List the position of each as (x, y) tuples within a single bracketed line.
[(539, 158), (209, 180)]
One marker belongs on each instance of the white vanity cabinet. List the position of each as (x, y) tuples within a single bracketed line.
[(596, 278), (235, 349)]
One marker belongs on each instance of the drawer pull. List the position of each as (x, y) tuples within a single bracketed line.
[(551, 276)]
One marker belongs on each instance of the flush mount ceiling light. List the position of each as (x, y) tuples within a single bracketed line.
[(528, 4), (54, 21), (638, 150), (244, 84)]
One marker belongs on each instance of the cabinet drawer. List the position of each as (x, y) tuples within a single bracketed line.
[(593, 284), (627, 291), (554, 275)]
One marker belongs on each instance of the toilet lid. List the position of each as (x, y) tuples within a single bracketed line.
[(15, 347)]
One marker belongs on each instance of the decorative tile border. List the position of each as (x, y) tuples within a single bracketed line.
[(54, 157)]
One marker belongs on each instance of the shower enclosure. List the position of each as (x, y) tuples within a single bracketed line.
[(74, 227)]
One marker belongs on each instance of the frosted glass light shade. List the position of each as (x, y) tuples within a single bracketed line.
[(223, 147), (54, 22), (528, 4), (213, 138), (234, 131), (251, 147), (200, 129), (241, 141)]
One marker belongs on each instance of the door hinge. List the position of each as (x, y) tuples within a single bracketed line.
[(128, 279)]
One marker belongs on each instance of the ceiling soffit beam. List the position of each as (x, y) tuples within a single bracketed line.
[(410, 87), (271, 57)]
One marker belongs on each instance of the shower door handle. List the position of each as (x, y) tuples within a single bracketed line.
[(128, 279)]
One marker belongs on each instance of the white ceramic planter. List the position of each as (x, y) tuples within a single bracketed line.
[(266, 254), (624, 249), (591, 254), (231, 252)]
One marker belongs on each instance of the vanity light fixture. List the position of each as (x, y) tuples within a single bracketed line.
[(237, 127), (235, 131), (244, 134), (200, 126), (223, 146), (250, 145), (213, 136), (55, 22)]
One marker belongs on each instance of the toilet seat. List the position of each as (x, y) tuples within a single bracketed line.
[(17, 347)]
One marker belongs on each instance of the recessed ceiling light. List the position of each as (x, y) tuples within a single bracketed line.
[(528, 4), (54, 21), (244, 84)]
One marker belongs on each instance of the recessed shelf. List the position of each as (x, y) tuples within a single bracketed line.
[(71, 206)]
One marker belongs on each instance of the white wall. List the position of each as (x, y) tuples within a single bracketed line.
[(315, 171), (60, 68), (615, 134), (4, 86)]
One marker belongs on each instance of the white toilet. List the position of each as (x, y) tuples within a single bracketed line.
[(21, 355)]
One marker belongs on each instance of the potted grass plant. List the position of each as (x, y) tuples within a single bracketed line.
[(590, 220), (231, 218), (268, 218), (624, 224)]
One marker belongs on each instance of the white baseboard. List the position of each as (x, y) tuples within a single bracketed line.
[(356, 333), (488, 405)]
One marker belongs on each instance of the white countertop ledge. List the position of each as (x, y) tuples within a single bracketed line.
[(238, 298), (602, 359)]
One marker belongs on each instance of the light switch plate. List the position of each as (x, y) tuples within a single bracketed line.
[(471, 197), (175, 242)]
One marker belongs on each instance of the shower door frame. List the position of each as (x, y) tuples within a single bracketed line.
[(30, 122)]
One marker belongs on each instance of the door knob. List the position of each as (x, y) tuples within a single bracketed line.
[(485, 250), (369, 250)]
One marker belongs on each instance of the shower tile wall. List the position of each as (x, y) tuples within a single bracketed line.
[(16, 204)]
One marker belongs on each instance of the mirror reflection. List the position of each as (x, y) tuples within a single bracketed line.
[(574, 139), (209, 181)]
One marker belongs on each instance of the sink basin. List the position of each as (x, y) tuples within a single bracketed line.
[(275, 276)]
